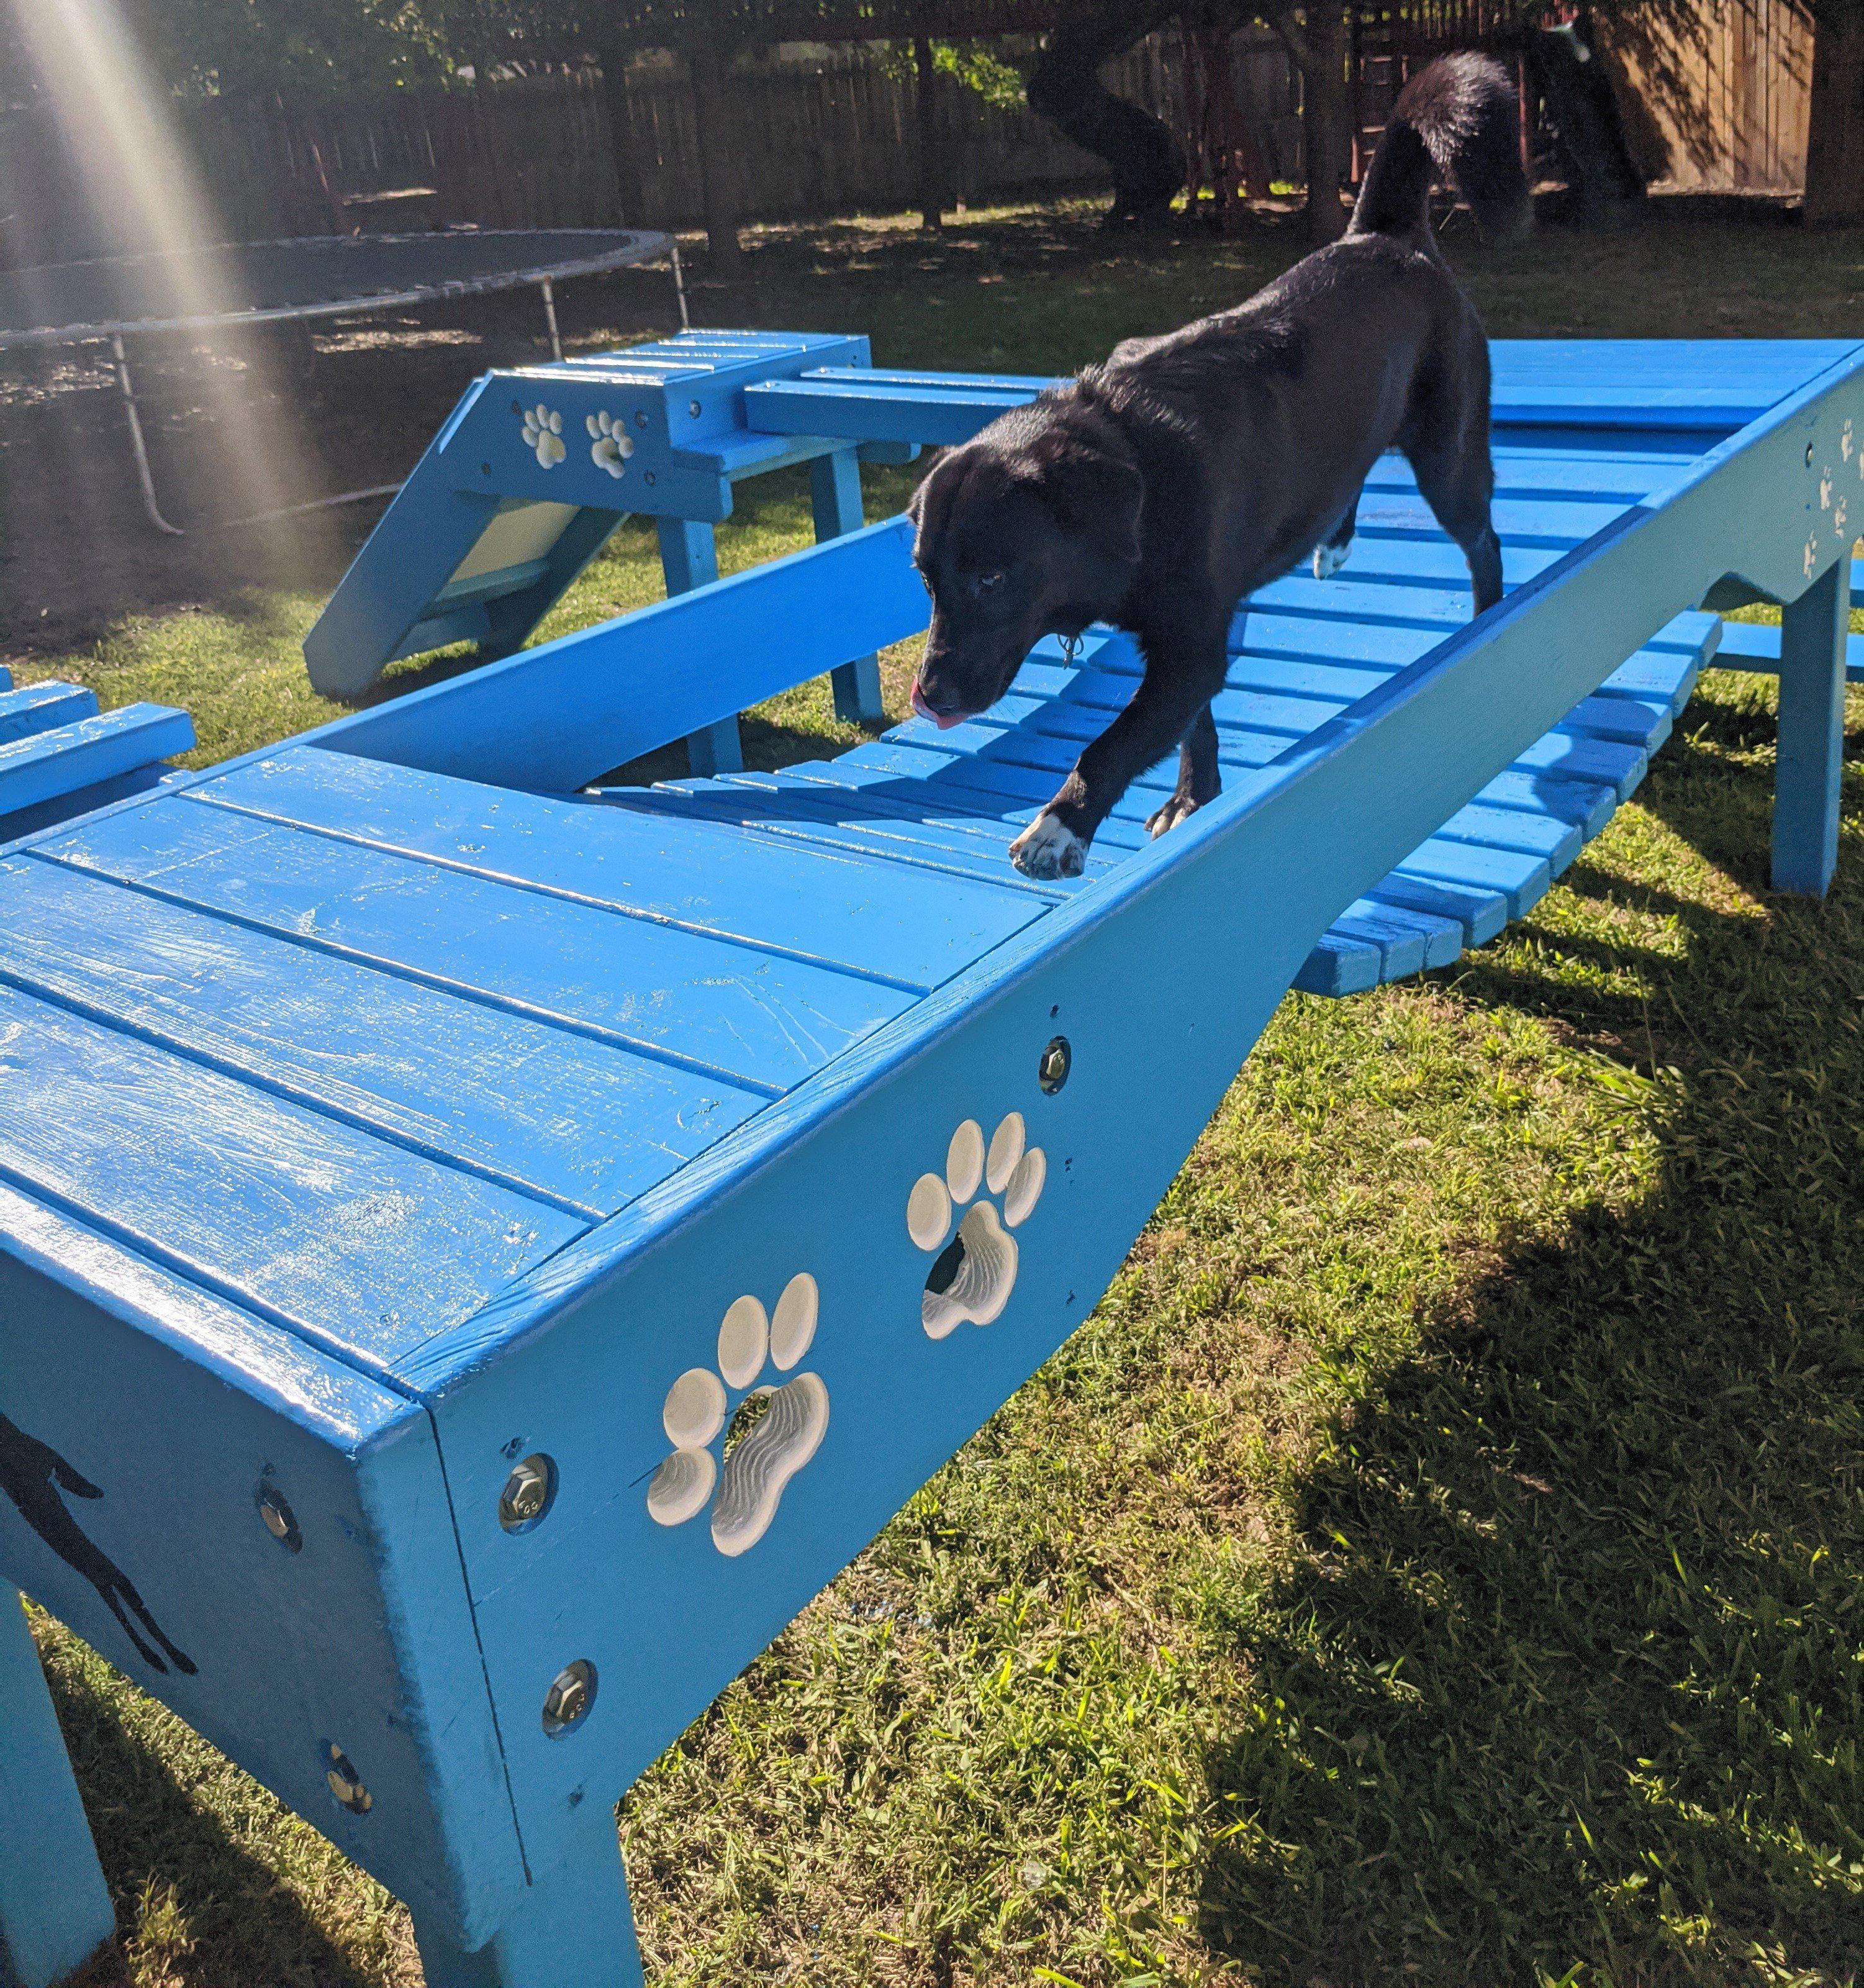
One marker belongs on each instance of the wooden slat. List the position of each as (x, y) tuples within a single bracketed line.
[(365, 1248), (753, 1019), (854, 912), (41, 768), (557, 1117), (41, 707)]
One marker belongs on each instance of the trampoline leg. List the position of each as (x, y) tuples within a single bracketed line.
[(689, 558), (161, 523), (678, 288), (556, 343)]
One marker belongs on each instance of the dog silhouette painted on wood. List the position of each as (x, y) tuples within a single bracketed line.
[(36, 1477)]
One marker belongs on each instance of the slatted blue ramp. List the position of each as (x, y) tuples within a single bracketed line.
[(1303, 652), (413, 1156)]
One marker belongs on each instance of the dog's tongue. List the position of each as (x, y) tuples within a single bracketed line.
[(944, 721)]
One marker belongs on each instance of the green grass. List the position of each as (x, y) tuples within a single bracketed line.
[(1440, 1559)]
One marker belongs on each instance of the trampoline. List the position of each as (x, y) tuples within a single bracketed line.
[(275, 283)]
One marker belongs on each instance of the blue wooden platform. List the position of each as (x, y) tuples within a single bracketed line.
[(60, 755), (414, 1152)]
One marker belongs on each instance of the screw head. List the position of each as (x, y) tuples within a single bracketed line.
[(640, 417), (279, 1519), (346, 1785), (692, 407), (1057, 1059), (571, 1693), (528, 1494), (1808, 455)]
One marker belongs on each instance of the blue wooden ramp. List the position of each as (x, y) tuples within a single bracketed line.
[(479, 1248)]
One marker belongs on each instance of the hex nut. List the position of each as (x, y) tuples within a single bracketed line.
[(1057, 1059), (571, 1693), (346, 1784), (529, 1493), (278, 1519)]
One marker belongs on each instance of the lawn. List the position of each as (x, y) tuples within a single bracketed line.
[(1440, 1558)]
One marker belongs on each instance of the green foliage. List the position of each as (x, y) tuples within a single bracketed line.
[(294, 49)]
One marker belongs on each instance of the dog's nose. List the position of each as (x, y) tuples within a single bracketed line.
[(944, 720)]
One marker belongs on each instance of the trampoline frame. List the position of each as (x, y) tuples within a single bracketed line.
[(648, 245)]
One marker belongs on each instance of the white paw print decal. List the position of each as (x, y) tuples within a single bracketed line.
[(1825, 490), (976, 1270), (1844, 443), (761, 1458), (610, 445), (543, 432), (1838, 516)]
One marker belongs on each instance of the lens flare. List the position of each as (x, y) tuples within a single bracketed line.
[(145, 199)]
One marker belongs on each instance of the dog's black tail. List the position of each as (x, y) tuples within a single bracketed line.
[(1457, 119)]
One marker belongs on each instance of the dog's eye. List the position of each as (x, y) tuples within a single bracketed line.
[(987, 581), (925, 580)]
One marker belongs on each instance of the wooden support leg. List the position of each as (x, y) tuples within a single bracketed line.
[(689, 558), (1812, 636), (575, 1931), (54, 1907), (835, 488)]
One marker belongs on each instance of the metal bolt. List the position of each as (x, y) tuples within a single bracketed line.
[(1058, 1058), (567, 1702), (650, 476), (1808, 455), (692, 407), (640, 417), (279, 1519), (346, 1784), (517, 407), (527, 1493)]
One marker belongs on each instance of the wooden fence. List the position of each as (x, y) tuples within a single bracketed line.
[(833, 131), (1717, 99)]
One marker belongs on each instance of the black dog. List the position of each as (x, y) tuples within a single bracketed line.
[(1156, 491)]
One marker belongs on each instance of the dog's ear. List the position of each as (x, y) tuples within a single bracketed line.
[(1098, 496), (931, 503)]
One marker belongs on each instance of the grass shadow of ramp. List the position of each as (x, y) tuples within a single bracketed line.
[(216, 1885), (1563, 1676)]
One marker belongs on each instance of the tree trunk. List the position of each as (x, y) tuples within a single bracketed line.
[(1834, 143), (1065, 87), (705, 65), (1326, 120), (613, 55), (931, 161)]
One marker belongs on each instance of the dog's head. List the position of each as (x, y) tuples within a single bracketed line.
[(1032, 529)]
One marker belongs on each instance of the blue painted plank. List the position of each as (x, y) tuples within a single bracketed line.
[(1754, 646), (81, 800), (1632, 720), (40, 707), (39, 769), (1587, 806), (1545, 836), (54, 1907), (364, 1248), (1564, 755), (559, 1117), (6, 678), (856, 912), (557, 716), (794, 815), (752, 1018)]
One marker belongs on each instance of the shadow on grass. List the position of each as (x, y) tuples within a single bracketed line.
[(1566, 1678), (172, 1864)]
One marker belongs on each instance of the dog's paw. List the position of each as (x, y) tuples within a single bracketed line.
[(1048, 848), (1175, 810), (976, 1269), (1328, 559)]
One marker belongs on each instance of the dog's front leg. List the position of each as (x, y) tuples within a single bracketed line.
[(1179, 683), (1199, 780)]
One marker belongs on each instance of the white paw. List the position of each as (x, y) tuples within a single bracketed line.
[(976, 1270), (1048, 848), (1328, 559), (610, 445), (769, 1435), (543, 433)]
